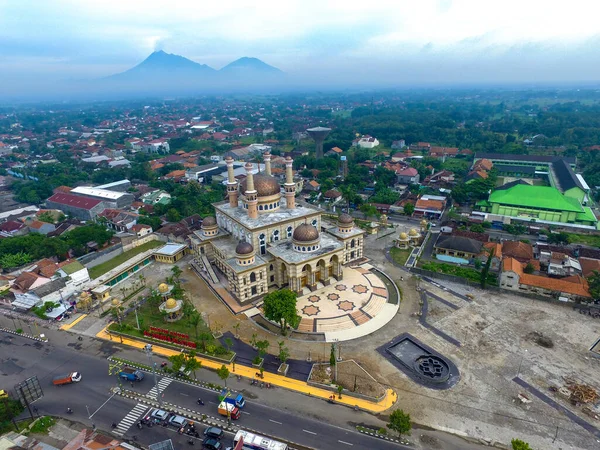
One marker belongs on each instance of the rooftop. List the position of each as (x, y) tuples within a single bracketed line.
[(95, 192), (170, 249), (74, 201), (537, 197), (285, 250)]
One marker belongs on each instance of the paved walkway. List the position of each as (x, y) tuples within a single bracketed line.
[(277, 380)]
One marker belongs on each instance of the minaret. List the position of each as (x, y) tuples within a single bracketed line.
[(290, 186), (232, 185), (267, 158), (251, 194)]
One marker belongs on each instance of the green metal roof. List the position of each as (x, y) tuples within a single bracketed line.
[(72, 267), (586, 216), (536, 197)]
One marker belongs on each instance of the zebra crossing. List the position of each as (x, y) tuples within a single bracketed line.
[(162, 385), (132, 417)]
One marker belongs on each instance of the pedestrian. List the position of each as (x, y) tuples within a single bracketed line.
[(131, 383)]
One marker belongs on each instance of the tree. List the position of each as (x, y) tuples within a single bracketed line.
[(340, 389), (486, 269), (262, 347), (284, 352), (400, 422), (561, 238), (173, 215), (409, 209), (191, 363), (228, 344), (280, 306), (368, 210), (194, 320), (46, 217), (477, 228), (332, 360), (594, 284), (518, 444), (223, 373), (176, 271), (9, 409), (529, 268), (177, 362)]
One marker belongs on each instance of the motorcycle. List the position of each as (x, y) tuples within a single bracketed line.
[(69, 411), (200, 402)]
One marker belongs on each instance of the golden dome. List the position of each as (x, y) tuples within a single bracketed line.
[(171, 303), (162, 288), (305, 233), (209, 222), (116, 302), (265, 185), (423, 222), (413, 232), (403, 235), (345, 219)]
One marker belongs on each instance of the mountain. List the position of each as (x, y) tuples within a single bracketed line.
[(249, 65)]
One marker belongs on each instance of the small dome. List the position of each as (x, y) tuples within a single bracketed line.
[(413, 232), (171, 303), (116, 302), (423, 222), (345, 219), (403, 235), (244, 248), (305, 233), (162, 288), (209, 221), (265, 185)]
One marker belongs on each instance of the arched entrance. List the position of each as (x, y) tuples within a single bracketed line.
[(283, 275), (322, 273), (335, 268), (306, 276)]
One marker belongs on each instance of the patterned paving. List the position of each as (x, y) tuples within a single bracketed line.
[(344, 304)]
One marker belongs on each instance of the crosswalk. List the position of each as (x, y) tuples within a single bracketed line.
[(162, 385), (132, 417)]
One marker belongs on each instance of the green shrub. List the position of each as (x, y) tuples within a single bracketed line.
[(42, 425), (19, 330)]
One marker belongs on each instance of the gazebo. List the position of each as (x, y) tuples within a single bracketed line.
[(403, 241), (173, 309), (164, 290), (414, 236)]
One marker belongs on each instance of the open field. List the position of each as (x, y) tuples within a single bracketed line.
[(101, 269)]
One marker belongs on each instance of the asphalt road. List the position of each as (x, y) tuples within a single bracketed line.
[(21, 358)]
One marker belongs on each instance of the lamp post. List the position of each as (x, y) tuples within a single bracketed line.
[(148, 350)]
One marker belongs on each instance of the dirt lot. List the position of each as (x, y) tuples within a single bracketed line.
[(349, 375)]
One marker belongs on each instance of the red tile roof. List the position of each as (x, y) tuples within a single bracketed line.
[(74, 201)]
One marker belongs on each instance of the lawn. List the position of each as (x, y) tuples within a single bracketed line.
[(586, 239), (458, 271), (101, 269), (400, 256)]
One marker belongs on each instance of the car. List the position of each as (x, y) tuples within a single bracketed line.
[(178, 421), (159, 414), (212, 444), (213, 432)]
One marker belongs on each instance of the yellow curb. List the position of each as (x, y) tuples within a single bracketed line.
[(68, 326), (277, 380)]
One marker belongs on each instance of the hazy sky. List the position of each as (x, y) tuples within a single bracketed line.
[(427, 40)]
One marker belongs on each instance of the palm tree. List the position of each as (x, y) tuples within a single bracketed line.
[(194, 320), (191, 363)]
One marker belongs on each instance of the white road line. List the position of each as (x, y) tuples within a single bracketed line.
[(181, 393), (274, 421), (344, 442), (309, 432), (244, 412)]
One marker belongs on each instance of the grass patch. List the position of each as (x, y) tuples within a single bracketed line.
[(586, 239), (42, 425), (458, 271), (101, 269), (8, 426), (399, 255)]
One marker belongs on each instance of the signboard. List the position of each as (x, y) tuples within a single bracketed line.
[(29, 390)]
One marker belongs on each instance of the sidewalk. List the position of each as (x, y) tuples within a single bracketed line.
[(277, 380)]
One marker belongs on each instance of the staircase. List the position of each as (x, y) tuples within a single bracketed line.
[(209, 269)]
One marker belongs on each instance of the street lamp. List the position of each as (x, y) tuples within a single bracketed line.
[(148, 350)]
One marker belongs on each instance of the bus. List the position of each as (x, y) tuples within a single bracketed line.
[(251, 441)]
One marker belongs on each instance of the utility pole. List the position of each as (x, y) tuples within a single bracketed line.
[(148, 350)]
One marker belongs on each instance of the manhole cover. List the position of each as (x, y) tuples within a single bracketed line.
[(433, 368)]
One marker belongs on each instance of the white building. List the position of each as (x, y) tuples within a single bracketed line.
[(365, 142)]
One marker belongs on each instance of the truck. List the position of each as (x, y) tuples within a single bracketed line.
[(129, 374), (73, 377), (227, 396), (229, 410)]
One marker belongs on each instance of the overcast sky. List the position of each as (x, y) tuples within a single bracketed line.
[(433, 41)]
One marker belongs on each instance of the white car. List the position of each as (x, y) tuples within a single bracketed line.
[(159, 414)]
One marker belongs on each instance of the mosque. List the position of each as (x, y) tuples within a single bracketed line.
[(261, 240)]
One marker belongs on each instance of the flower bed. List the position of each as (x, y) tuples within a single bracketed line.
[(170, 336)]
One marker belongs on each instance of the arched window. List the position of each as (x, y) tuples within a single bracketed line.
[(263, 244), (260, 207), (289, 231), (252, 277), (352, 243), (303, 249), (315, 222), (271, 267), (275, 236)]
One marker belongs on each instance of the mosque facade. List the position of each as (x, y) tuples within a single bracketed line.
[(262, 239)]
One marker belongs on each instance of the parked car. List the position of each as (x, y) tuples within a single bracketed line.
[(213, 432), (178, 421), (159, 415), (212, 444)]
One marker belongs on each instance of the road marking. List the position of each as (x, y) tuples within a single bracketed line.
[(344, 442), (244, 412), (309, 432), (274, 421), (131, 418), (102, 405), (162, 385), (181, 393)]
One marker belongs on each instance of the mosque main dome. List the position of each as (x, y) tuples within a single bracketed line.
[(305, 233), (265, 185)]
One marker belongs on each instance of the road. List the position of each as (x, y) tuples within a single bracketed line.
[(21, 358)]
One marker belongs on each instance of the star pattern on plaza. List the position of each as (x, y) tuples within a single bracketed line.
[(359, 288), (333, 296), (341, 287), (314, 298), (345, 305), (310, 310)]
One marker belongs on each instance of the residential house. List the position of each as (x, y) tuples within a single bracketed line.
[(141, 229), (410, 175), (456, 247), (589, 266), (365, 141), (442, 152), (521, 251), (156, 146), (37, 226), (443, 176), (495, 250), (12, 228), (332, 196), (74, 274), (117, 219), (156, 197), (421, 147), (514, 278), (312, 186), (430, 206), (560, 264), (398, 145)]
